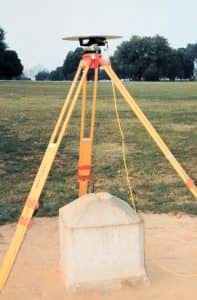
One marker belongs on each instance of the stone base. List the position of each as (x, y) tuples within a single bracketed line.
[(107, 284), (101, 243)]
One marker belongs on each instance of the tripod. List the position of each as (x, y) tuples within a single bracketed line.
[(93, 60)]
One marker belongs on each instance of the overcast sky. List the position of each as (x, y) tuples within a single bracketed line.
[(34, 28)]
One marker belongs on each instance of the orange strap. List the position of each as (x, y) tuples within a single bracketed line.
[(84, 167), (24, 221), (190, 183), (32, 203)]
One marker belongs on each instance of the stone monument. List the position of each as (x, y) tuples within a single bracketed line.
[(101, 243)]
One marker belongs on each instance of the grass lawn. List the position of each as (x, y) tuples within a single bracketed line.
[(28, 114)]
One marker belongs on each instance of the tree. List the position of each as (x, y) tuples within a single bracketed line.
[(151, 73), (174, 65), (71, 63), (192, 50), (10, 64), (187, 63), (126, 59), (103, 75), (57, 74), (42, 75), (141, 56), (2, 38), (181, 63)]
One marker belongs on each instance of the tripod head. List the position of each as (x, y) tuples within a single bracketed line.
[(92, 43)]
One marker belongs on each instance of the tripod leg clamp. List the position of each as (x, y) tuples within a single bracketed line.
[(83, 172)]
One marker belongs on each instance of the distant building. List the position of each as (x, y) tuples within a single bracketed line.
[(195, 69)]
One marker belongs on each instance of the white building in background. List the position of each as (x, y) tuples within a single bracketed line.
[(195, 69)]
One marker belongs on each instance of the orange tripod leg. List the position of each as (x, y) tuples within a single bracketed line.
[(84, 167)]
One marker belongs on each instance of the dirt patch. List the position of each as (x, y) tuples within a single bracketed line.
[(171, 241)]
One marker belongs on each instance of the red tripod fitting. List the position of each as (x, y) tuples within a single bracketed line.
[(91, 60)]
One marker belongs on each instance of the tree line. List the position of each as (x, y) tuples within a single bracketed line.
[(67, 70), (140, 58), (10, 65), (152, 58)]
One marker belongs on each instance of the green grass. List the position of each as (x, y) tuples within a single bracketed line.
[(28, 114)]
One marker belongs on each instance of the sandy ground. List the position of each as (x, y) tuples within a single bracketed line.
[(171, 241)]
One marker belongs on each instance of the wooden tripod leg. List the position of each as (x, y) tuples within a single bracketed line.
[(148, 126), (38, 185), (85, 156), (65, 105)]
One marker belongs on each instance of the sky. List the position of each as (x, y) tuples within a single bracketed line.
[(34, 28)]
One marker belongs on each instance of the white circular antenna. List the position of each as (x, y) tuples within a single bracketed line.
[(89, 40), (106, 37)]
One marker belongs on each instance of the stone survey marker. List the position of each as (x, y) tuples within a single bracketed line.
[(101, 243)]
